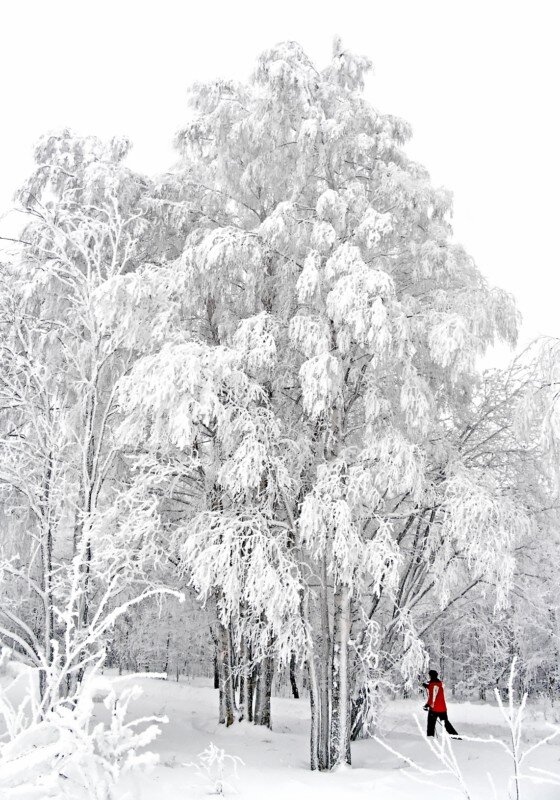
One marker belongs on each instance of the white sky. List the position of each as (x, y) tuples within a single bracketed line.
[(478, 81)]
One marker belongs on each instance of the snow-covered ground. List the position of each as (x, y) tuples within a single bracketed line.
[(276, 762)]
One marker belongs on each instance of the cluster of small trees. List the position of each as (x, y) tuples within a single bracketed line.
[(255, 377)]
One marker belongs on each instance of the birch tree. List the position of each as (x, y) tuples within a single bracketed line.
[(77, 306), (326, 252)]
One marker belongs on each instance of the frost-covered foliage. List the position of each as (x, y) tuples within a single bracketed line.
[(256, 378), (218, 768), (249, 569), (84, 535), (65, 752), (81, 517), (314, 221)]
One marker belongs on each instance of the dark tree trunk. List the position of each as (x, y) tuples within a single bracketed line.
[(216, 672), (293, 683), (357, 716), (166, 665)]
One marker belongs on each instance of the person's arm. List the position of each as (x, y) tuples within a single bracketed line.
[(435, 692)]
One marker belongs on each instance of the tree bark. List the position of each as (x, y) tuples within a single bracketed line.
[(325, 677), (166, 665), (293, 682), (46, 569), (315, 704), (216, 670), (246, 684), (262, 714), (340, 712), (227, 696)]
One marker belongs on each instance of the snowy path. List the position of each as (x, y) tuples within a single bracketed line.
[(276, 762)]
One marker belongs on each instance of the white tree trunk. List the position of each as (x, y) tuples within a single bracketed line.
[(340, 710), (325, 680)]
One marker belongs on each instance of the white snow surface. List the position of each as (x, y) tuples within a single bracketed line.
[(276, 762)]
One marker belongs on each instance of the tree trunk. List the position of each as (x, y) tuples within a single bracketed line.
[(340, 712), (315, 703), (293, 683), (357, 720), (442, 651), (166, 665), (227, 696), (314, 698), (47, 569), (325, 677), (246, 687), (264, 691), (216, 670)]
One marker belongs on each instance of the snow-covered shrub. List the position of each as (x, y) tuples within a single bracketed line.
[(218, 768), (66, 752)]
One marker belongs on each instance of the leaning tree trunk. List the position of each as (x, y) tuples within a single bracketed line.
[(340, 707)]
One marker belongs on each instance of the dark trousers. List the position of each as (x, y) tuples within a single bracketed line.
[(433, 716)]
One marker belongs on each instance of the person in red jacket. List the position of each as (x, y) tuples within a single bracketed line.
[(436, 706)]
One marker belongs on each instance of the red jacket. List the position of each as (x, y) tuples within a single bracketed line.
[(436, 696)]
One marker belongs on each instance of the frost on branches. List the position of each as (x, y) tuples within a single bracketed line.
[(81, 522), (322, 253), (255, 379)]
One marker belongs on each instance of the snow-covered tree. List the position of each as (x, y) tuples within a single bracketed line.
[(321, 268), (77, 307), (257, 376)]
